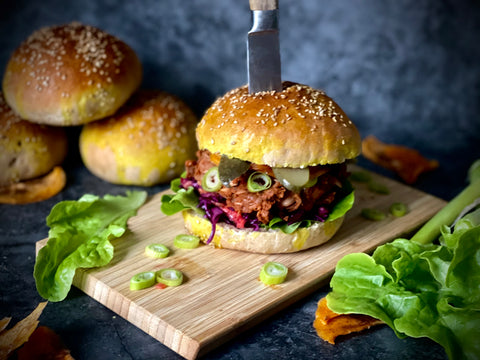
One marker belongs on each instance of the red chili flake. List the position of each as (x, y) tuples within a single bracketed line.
[(160, 286)]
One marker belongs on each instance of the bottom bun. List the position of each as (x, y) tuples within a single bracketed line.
[(263, 241)]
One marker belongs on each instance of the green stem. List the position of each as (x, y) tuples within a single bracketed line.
[(430, 231)]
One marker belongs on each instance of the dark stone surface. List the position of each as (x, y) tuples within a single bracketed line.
[(405, 71)]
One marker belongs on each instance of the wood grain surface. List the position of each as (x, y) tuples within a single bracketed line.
[(221, 295)]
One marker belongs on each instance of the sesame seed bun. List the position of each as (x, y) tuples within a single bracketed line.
[(263, 241), (297, 127), (27, 150), (145, 143), (70, 74)]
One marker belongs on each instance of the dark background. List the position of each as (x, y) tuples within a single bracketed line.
[(406, 71)]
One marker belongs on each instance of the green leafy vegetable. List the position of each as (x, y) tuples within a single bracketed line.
[(181, 200), (79, 237), (418, 287)]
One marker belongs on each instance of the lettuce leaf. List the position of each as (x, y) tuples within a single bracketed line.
[(181, 200), (79, 237), (419, 290)]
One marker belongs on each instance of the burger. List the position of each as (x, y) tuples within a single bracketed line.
[(270, 174)]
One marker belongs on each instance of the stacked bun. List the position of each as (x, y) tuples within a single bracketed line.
[(145, 143), (77, 75), (27, 150), (70, 75)]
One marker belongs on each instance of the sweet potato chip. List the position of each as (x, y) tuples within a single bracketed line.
[(35, 190), (329, 324), (407, 163), (44, 343), (13, 338)]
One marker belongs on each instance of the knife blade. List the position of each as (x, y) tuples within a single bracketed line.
[(263, 48)]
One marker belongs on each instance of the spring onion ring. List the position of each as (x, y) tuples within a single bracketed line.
[(142, 280), (273, 273), (157, 251), (258, 181), (360, 176), (169, 277), (378, 188), (398, 209), (184, 241), (373, 214), (211, 180)]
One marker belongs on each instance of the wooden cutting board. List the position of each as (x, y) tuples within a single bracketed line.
[(221, 295)]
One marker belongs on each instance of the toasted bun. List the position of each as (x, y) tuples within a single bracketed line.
[(263, 241), (27, 150), (147, 142), (70, 74), (296, 127)]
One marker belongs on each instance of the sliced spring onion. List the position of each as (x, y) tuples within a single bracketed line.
[(142, 280), (184, 241), (258, 181), (398, 209), (360, 176), (211, 180), (157, 251), (378, 188), (373, 214), (231, 168), (169, 277), (273, 273), (292, 178)]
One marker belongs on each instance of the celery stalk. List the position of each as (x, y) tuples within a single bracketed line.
[(430, 231)]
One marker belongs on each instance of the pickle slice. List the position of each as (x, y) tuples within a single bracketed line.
[(231, 168), (169, 277), (293, 179), (273, 273)]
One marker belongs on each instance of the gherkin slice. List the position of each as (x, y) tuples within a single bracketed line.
[(231, 168)]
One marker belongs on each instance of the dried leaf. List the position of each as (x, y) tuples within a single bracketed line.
[(13, 338), (35, 190)]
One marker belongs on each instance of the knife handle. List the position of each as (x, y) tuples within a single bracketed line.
[(263, 5)]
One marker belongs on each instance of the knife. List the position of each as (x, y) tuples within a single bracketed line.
[(263, 48)]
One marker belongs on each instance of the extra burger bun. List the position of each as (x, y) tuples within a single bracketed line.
[(27, 150), (297, 127), (70, 74), (147, 142), (263, 241)]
